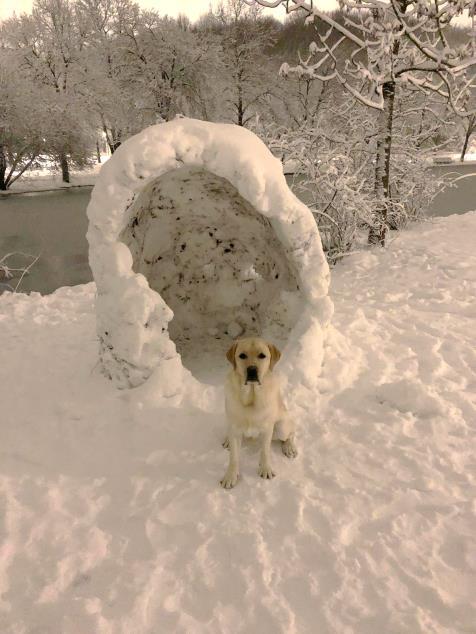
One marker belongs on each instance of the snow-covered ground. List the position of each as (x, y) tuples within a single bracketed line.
[(48, 178), (454, 157), (113, 520)]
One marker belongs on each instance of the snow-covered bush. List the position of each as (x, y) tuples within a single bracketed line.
[(328, 159), (333, 182)]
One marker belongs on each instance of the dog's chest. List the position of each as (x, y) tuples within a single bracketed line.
[(252, 432), (254, 421), (252, 409), (254, 418)]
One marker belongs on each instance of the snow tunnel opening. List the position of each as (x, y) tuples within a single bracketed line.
[(217, 263)]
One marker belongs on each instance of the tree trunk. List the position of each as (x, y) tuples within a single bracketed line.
[(465, 147), (115, 140), (112, 137), (113, 146), (64, 167), (3, 168), (378, 231), (469, 131), (98, 152), (240, 109)]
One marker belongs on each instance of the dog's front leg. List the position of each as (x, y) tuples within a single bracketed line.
[(265, 469), (231, 476)]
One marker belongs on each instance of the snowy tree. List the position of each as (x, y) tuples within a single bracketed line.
[(22, 123), (386, 45), (49, 44), (310, 96), (297, 100), (245, 37), (110, 68), (110, 101), (166, 66), (421, 126), (329, 143)]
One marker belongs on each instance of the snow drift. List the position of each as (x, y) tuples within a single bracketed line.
[(195, 239)]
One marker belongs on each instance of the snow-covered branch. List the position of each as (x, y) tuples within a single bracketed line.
[(8, 272), (386, 42)]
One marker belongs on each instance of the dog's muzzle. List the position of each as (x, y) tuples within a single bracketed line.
[(252, 374)]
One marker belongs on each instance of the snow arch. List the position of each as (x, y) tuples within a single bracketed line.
[(195, 239)]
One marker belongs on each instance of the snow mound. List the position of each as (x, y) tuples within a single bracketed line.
[(196, 239)]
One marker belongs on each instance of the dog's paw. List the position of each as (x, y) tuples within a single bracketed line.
[(226, 443), (229, 479), (289, 448), (266, 472)]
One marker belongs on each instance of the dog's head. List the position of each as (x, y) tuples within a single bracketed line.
[(252, 358)]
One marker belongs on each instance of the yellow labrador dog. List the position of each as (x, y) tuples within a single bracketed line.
[(254, 406)]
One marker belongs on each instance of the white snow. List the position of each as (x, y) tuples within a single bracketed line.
[(113, 520), (185, 195)]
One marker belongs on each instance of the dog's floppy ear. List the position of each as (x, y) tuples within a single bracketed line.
[(230, 355), (275, 355)]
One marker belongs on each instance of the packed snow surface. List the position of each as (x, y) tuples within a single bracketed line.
[(113, 520)]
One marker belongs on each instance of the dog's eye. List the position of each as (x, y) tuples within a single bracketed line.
[(242, 356), (261, 355)]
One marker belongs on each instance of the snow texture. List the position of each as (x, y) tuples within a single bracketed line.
[(196, 239), (113, 520)]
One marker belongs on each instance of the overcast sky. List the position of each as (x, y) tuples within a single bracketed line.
[(192, 8)]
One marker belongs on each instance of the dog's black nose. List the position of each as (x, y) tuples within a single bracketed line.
[(252, 373)]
